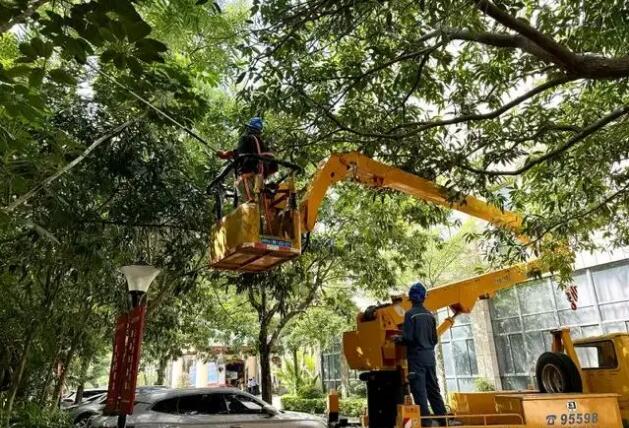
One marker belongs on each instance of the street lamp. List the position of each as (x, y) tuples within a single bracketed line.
[(139, 279)]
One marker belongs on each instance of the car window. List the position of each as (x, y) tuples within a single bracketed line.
[(166, 406), (202, 404), (239, 404), (597, 355)]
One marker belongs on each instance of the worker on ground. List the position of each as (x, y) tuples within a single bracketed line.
[(420, 338), (251, 142)]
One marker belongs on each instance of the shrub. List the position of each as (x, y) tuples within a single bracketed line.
[(483, 384), (310, 391), (306, 405), (357, 388), (29, 415), (352, 407)]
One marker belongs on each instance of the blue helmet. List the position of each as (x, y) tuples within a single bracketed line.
[(256, 123), (417, 292)]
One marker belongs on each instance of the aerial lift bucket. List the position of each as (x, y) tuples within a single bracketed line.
[(239, 245), (259, 234)]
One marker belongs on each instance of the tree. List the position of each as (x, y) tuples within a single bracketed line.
[(280, 295), (521, 95), (93, 179)]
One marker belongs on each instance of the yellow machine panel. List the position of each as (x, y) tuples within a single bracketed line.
[(573, 410)]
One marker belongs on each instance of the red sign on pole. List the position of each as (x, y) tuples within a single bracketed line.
[(125, 361)]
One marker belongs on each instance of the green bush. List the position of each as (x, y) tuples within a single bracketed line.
[(306, 405), (29, 415), (310, 391), (352, 407), (357, 388), (481, 384)]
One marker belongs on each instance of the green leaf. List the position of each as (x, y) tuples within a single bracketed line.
[(201, 2), (137, 30), (18, 71), (151, 44), (135, 66), (120, 61), (148, 50), (61, 76), (108, 55), (28, 50)]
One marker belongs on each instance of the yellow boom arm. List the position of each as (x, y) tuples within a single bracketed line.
[(367, 171)]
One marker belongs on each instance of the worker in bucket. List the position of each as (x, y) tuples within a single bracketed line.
[(251, 142), (420, 337)]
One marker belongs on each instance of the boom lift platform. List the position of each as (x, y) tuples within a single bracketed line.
[(261, 234)]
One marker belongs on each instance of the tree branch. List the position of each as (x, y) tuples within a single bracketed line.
[(586, 132), (423, 126), (586, 66), (109, 135), (561, 54)]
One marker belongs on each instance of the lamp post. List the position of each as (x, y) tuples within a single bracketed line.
[(139, 279)]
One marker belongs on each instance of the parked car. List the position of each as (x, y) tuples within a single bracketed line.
[(207, 407), (69, 399), (80, 413), (93, 406)]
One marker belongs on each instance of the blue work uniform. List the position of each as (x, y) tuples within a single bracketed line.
[(420, 338)]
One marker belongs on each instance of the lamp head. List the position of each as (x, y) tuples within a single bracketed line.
[(139, 277)]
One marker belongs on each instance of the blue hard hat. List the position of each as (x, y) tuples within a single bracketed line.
[(417, 292), (256, 123)]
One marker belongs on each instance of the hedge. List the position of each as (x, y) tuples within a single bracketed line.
[(352, 407)]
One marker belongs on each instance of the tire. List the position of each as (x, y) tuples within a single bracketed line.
[(556, 373)]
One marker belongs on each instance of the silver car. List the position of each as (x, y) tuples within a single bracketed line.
[(80, 413), (207, 407)]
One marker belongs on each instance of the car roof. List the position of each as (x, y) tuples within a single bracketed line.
[(163, 394)]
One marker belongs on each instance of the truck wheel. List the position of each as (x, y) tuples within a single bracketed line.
[(557, 373)]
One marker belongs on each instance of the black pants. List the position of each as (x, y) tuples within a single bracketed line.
[(425, 389)]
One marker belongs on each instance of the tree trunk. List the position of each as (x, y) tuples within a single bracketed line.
[(297, 371), (17, 380), (56, 396), (161, 370), (85, 365), (43, 395), (265, 372)]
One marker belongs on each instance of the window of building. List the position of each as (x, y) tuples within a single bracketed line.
[(598, 355), (459, 354)]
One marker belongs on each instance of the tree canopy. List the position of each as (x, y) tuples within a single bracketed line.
[(526, 96)]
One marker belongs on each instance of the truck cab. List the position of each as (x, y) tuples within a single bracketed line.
[(604, 363)]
